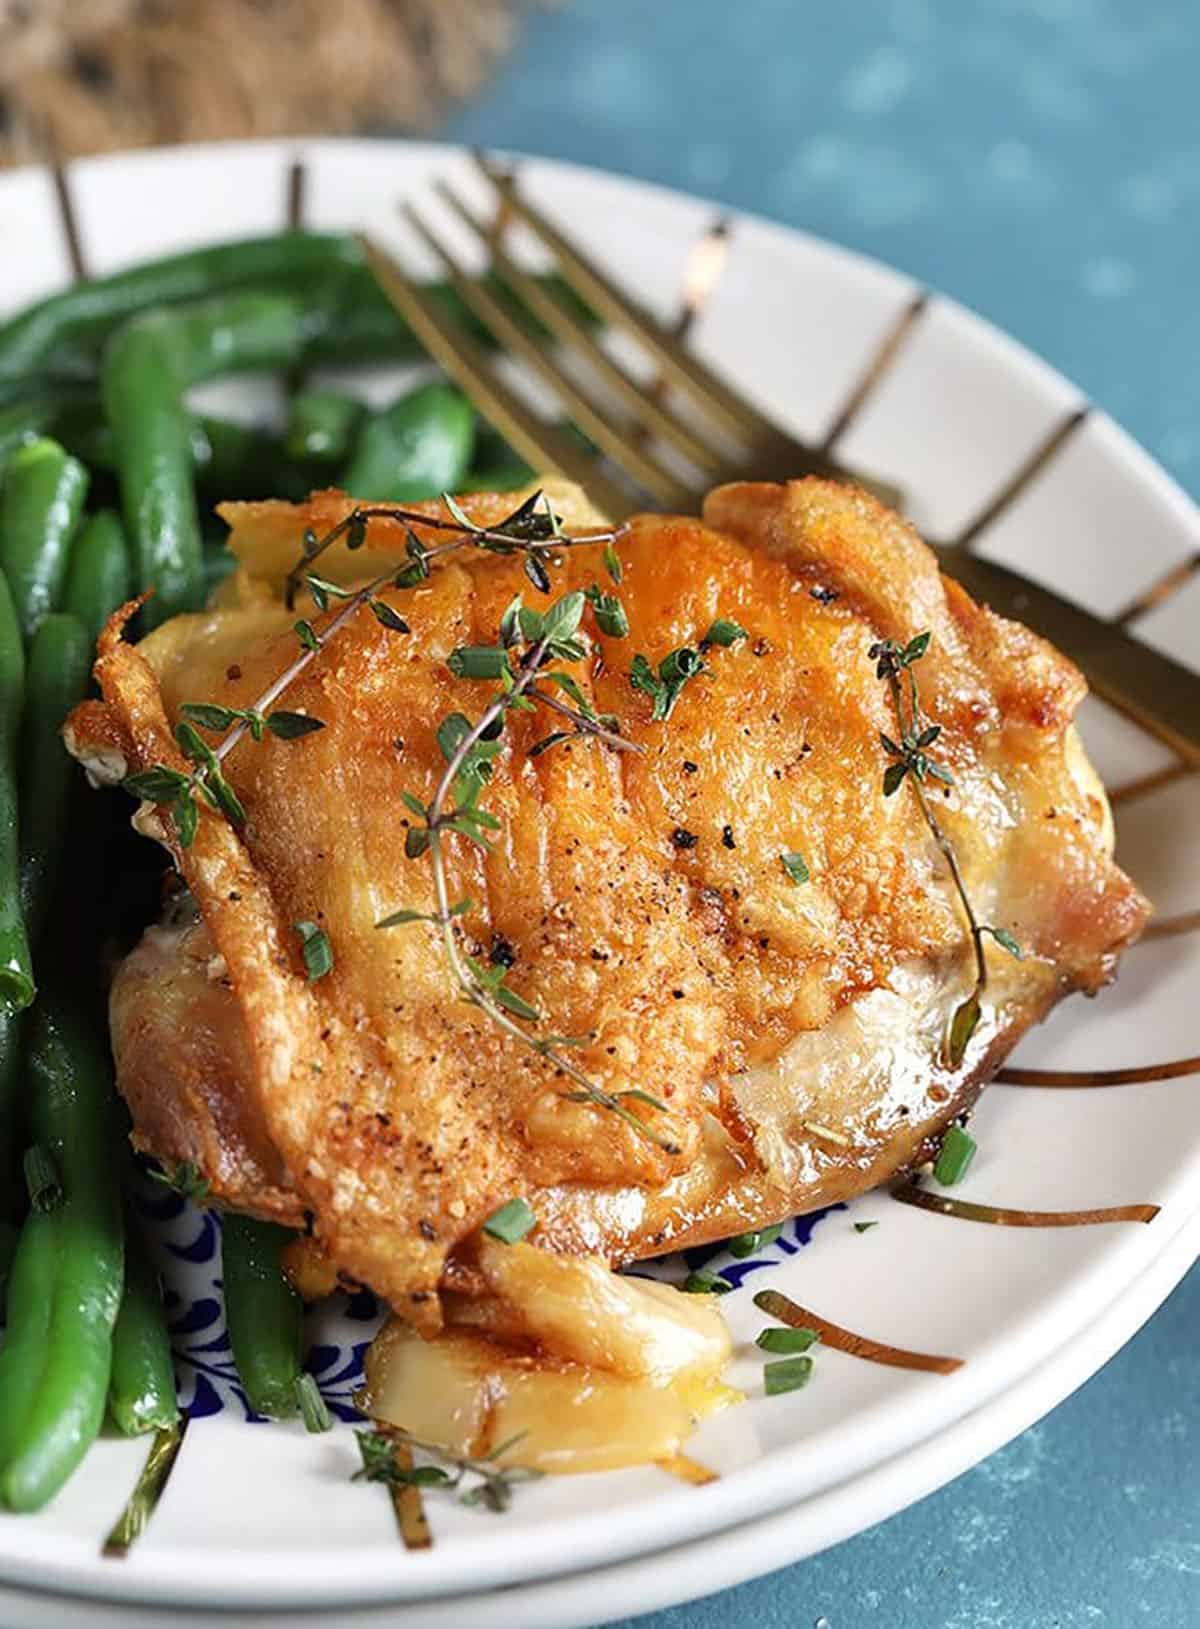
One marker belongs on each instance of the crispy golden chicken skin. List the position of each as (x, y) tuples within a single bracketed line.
[(796, 1031)]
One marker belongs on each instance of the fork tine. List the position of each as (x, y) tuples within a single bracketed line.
[(709, 392), (569, 330), (537, 442), (624, 452)]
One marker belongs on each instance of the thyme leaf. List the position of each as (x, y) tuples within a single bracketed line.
[(185, 1179), (895, 664)]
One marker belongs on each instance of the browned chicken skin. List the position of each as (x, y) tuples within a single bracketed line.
[(796, 1031)]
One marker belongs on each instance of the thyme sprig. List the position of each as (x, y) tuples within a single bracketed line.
[(493, 1485), (454, 808), (895, 664), (535, 639), (163, 785), (533, 529)]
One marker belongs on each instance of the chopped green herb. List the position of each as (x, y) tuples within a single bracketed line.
[(379, 1465), (954, 1159), (664, 687), (609, 613), (511, 1222), (1006, 941), (747, 1243), (795, 867), (787, 1342), (318, 955), (864, 1227), (706, 1284), (612, 563), (789, 1374), (478, 662), (185, 1179), (313, 1410), (724, 632), (306, 634)]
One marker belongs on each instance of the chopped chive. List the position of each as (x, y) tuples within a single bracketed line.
[(478, 661), (705, 1284), (864, 1227), (312, 1405), (511, 1222), (789, 1374), (954, 1160), (747, 1243), (786, 1341), (795, 867), (725, 632), (318, 954)]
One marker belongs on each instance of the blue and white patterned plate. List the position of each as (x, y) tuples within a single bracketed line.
[(266, 1516)]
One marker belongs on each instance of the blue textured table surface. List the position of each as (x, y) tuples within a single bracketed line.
[(1040, 161)]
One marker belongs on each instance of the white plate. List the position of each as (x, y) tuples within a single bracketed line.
[(266, 1517), (684, 1572)]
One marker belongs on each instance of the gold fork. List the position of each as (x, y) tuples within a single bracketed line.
[(723, 438)]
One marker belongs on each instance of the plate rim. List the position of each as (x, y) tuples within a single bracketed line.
[(1135, 1259)]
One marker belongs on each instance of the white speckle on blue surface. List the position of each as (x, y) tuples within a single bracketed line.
[(1172, 1555), (1021, 1462), (1149, 197), (1011, 161), (975, 1529), (877, 185), (1053, 94), (878, 83), (1108, 278), (615, 83), (1175, 1426), (1022, 175)]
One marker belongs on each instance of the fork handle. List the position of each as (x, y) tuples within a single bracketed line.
[(1154, 690)]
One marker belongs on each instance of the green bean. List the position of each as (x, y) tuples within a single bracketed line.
[(24, 421), (98, 575), (12, 1115), (418, 447), (263, 1313), (16, 966), (8, 1249), (79, 319), (44, 490), (31, 1277), (141, 1389), (60, 661), (321, 426), (54, 1382), (149, 365), (228, 459)]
